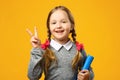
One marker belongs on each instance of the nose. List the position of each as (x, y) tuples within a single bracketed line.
[(59, 25)]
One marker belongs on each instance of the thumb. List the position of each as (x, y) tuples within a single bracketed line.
[(84, 71)]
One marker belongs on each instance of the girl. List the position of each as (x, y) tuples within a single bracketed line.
[(59, 57)]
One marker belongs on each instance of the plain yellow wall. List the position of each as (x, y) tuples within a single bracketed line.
[(97, 27)]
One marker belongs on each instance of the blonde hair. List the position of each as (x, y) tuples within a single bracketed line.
[(48, 57), (76, 59)]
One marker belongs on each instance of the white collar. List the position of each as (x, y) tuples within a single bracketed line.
[(57, 46)]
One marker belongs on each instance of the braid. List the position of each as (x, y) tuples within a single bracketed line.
[(77, 57), (49, 57), (76, 60), (49, 35), (73, 35)]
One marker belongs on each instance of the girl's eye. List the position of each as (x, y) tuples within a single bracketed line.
[(53, 23), (64, 21)]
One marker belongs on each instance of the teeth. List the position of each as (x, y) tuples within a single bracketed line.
[(59, 31)]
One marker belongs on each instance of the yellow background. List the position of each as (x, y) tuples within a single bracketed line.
[(97, 27)]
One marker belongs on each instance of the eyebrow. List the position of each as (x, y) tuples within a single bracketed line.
[(60, 20)]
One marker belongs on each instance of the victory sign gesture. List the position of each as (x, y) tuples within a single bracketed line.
[(34, 38)]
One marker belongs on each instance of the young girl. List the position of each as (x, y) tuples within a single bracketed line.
[(60, 58)]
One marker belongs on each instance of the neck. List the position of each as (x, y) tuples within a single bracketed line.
[(62, 42)]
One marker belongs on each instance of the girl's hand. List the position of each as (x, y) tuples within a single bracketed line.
[(34, 38), (83, 75)]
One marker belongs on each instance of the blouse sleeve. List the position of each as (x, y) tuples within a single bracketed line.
[(35, 68), (90, 69)]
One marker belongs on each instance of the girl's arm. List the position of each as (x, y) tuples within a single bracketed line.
[(36, 64)]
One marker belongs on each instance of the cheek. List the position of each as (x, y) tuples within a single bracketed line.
[(51, 29), (68, 28)]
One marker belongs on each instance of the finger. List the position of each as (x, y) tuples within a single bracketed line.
[(35, 40), (80, 77), (81, 74), (29, 32), (36, 33), (84, 71)]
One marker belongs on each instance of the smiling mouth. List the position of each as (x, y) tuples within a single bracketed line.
[(59, 31)]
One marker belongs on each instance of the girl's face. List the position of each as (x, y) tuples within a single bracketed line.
[(60, 25)]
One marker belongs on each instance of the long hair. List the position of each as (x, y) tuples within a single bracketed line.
[(49, 55)]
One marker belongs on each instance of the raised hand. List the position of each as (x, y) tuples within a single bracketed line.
[(34, 38)]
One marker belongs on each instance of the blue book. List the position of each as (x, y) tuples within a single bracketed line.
[(88, 62)]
